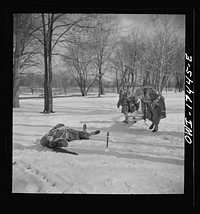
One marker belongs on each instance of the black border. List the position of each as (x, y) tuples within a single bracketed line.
[(184, 200)]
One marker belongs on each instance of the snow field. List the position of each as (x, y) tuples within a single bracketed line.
[(137, 161)]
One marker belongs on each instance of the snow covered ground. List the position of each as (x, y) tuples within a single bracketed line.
[(137, 160)]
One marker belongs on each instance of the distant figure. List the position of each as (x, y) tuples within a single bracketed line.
[(60, 135)]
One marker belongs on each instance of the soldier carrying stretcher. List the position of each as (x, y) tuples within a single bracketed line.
[(152, 105), (129, 103)]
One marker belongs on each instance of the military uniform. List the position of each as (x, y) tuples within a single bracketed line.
[(129, 103), (60, 135), (154, 106)]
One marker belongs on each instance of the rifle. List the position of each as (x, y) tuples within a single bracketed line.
[(56, 149)]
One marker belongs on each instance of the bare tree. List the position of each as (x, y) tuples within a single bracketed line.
[(126, 60), (47, 24), (160, 56), (62, 80), (53, 31), (25, 50), (132, 57), (103, 43), (119, 64), (152, 56), (119, 68), (78, 61), (179, 66)]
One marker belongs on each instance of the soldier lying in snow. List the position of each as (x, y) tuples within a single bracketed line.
[(60, 135)]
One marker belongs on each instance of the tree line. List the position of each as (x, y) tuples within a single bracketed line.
[(91, 48)]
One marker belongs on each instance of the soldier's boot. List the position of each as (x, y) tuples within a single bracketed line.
[(88, 134), (155, 128), (126, 117), (151, 126), (93, 133), (84, 128), (134, 120), (125, 121)]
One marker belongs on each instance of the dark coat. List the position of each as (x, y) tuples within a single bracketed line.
[(153, 106), (129, 103), (59, 133)]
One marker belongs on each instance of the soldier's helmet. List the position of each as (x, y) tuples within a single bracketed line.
[(138, 92), (121, 91), (147, 86), (129, 92), (44, 141)]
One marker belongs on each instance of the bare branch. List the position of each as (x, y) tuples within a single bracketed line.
[(152, 19)]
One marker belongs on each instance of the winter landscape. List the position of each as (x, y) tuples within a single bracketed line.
[(70, 68), (137, 161)]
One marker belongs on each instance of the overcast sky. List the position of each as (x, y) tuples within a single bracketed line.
[(128, 21), (136, 18)]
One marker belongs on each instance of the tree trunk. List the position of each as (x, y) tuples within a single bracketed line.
[(117, 82), (48, 104), (16, 83), (99, 91), (169, 84), (100, 82), (16, 93), (83, 92), (177, 84), (180, 85), (102, 88), (48, 100)]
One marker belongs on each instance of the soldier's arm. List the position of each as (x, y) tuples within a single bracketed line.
[(53, 144), (119, 103)]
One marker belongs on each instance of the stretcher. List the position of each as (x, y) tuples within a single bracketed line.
[(136, 116)]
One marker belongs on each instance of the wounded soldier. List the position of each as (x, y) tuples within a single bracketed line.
[(60, 135)]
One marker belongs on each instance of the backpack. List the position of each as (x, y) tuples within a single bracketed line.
[(158, 100), (58, 132)]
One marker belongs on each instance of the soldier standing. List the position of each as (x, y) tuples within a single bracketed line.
[(129, 102), (153, 106)]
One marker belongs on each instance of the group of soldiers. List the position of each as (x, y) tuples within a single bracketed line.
[(150, 102)]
